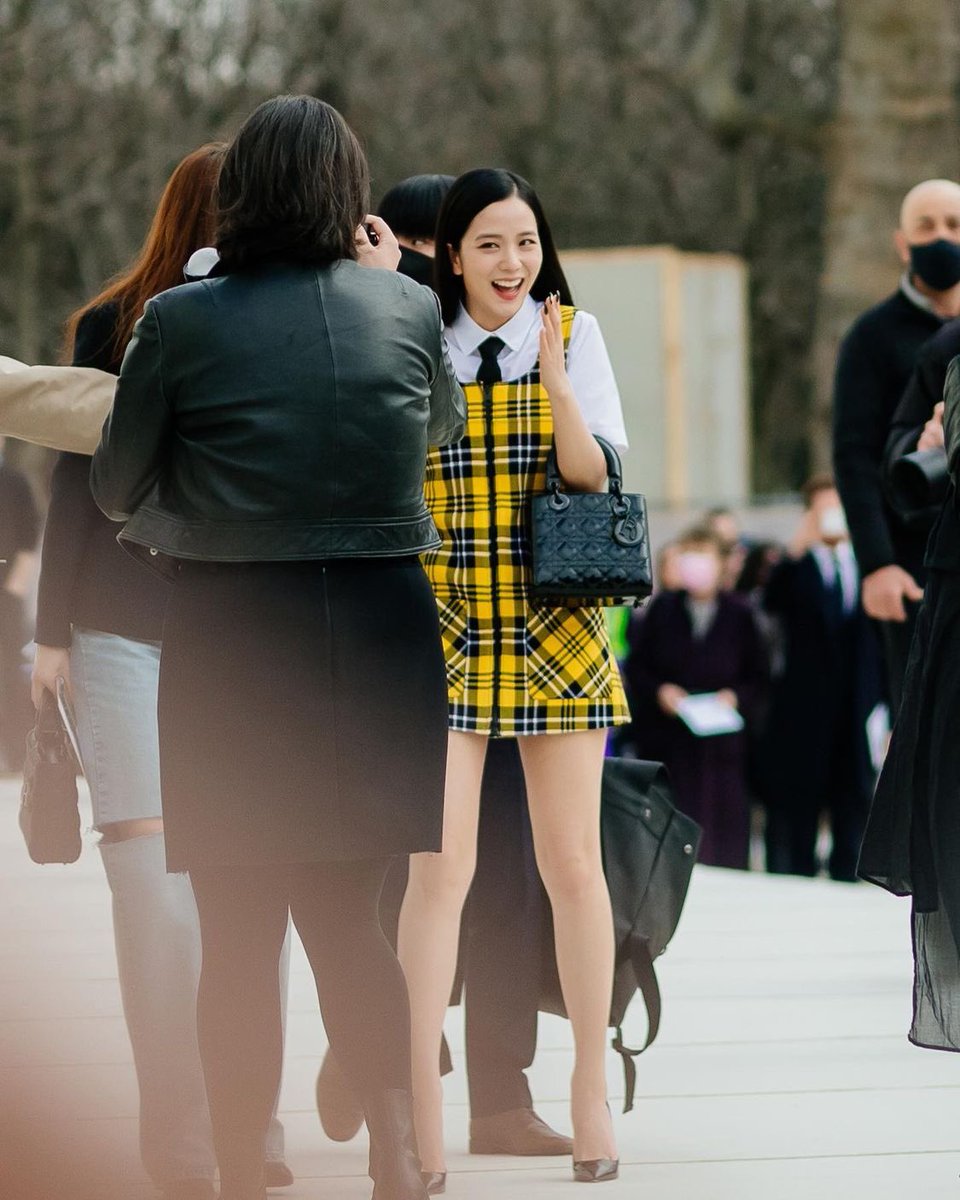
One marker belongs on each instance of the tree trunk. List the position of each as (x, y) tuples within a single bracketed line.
[(895, 125), (29, 289)]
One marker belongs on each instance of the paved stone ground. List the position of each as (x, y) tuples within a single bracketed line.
[(782, 1071)]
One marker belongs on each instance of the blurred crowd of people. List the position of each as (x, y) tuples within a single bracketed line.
[(776, 633)]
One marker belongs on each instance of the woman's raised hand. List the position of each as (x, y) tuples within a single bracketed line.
[(383, 251), (553, 366)]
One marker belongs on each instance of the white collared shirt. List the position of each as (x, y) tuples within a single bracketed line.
[(588, 364), (917, 298)]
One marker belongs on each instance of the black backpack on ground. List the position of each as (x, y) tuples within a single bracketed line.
[(649, 848)]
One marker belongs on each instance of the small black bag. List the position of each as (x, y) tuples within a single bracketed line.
[(590, 547), (649, 848), (49, 816)]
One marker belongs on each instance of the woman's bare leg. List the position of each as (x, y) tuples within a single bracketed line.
[(563, 773), (429, 934)]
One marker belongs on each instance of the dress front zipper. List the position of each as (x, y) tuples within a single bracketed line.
[(494, 560)]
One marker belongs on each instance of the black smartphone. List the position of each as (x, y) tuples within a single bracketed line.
[(372, 236)]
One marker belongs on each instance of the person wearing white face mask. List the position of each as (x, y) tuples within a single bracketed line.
[(693, 641), (875, 361), (815, 754)]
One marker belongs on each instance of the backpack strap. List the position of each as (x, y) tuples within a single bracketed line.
[(642, 962)]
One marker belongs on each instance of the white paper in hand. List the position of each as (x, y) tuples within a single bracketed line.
[(878, 735), (706, 715)]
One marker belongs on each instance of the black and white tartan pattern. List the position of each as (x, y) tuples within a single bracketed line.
[(553, 668)]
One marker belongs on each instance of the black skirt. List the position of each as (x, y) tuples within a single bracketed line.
[(912, 841), (303, 713)]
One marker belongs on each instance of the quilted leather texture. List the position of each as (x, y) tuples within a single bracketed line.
[(576, 555)]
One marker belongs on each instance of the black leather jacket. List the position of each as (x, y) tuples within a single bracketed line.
[(280, 413)]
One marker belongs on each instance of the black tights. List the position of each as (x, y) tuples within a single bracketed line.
[(362, 993)]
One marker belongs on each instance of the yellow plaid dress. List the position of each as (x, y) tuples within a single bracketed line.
[(514, 666)]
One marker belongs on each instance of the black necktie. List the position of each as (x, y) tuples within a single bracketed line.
[(835, 591), (489, 369)]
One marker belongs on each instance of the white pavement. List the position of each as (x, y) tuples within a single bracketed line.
[(782, 1071)]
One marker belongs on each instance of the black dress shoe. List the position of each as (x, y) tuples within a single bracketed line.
[(341, 1114), (276, 1174), (596, 1170), (435, 1182), (519, 1131)]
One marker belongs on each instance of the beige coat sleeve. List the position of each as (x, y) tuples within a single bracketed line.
[(62, 408)]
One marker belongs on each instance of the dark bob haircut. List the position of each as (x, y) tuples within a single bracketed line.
[(410, 207), (294, 186), (470, 195)]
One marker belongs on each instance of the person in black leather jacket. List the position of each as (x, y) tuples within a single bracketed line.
[(267, 447)]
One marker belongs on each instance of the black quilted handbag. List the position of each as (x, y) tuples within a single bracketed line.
[(49, 817), (590, 547)]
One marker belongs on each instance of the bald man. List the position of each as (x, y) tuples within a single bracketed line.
[(874, 365)]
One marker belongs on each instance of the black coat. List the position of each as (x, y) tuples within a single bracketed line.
[(912, 840), (708, 774), (280, 413), (86, 577), (923, 392), (874, 364), (830, 683)]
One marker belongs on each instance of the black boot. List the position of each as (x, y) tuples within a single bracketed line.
[(394, 1162)]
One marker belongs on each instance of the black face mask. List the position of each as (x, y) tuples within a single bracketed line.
[(937, 264), (418, 266)]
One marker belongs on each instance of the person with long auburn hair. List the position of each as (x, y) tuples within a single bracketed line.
[(182, 223), (267, 445), (99, 623)]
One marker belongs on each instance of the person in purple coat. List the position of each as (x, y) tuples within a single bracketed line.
[(696, 640)]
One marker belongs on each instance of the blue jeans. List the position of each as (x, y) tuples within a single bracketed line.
[(154, 914)]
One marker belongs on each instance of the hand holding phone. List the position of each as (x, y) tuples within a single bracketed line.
[(376, 245)]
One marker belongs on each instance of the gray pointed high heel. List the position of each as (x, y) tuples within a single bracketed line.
[(596, 1170)]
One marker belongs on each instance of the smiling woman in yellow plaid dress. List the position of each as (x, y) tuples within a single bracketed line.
[(513, 667), (536, 374)]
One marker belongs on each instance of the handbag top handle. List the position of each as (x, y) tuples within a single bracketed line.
[(614, 469), (628, 527)]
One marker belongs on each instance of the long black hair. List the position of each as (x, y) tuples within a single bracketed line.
[(410, 207), (469, 195), (294, 186)]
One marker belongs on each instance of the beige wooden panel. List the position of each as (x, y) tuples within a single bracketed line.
[(675, 325), (714, 339)]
